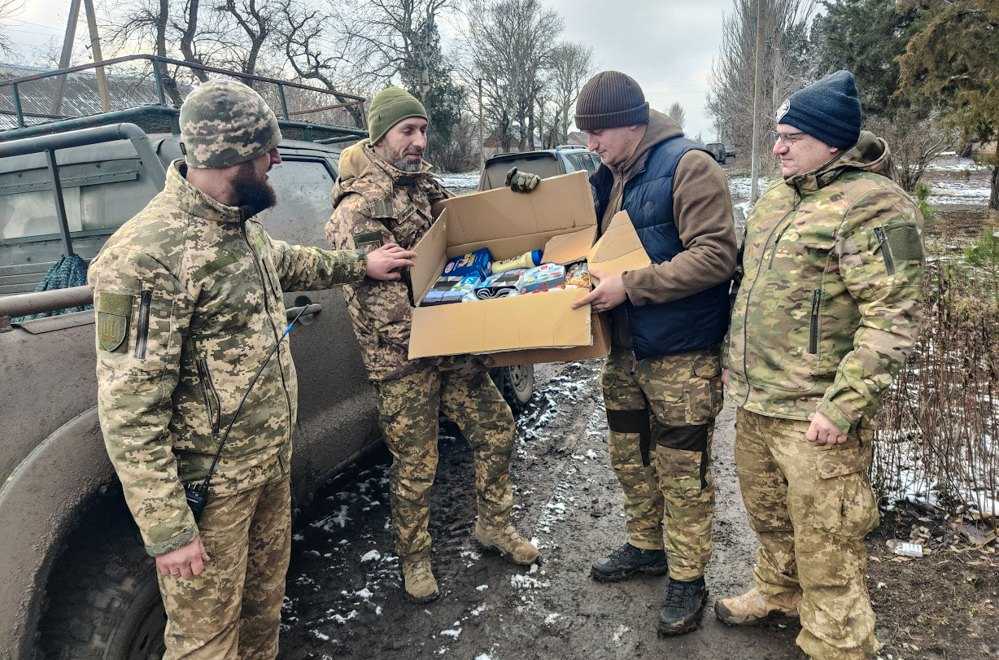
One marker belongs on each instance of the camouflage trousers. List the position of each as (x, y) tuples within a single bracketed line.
[(661, 414), (811, 507), (408, 410), (233, 609)]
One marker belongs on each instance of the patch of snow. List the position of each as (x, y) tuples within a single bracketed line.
[(453, 633), (482, 587), (320, 636), (371, 555), (462, 180), (344, 619), (590, 454), (364, 593), (620, 632), (478, 610), (552, 618)]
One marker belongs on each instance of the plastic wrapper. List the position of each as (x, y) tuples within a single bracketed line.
[(474, 264), (450, 289), (578, 274), (542, 278), (501, 285)]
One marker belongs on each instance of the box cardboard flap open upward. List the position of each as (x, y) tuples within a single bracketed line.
[(619, 249)]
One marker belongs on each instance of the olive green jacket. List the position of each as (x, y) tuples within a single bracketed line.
[(828, 305)]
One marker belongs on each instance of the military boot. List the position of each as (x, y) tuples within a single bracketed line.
[(682, 607), (628, 561), (508, 542), (418, 579), (753, 607)]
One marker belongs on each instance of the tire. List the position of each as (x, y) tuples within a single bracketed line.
[(103, 599), (516, 384)]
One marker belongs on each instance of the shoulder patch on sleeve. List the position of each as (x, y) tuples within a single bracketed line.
[(113, 313), (905, 242)]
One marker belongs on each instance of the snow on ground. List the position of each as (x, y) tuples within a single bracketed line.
[(459, 180)]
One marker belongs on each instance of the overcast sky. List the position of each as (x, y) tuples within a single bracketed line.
[(666, 45)]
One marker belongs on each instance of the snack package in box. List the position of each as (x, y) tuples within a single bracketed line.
[(500, 285), (477, 264), (578, 274), (542, 278), (450, 289)]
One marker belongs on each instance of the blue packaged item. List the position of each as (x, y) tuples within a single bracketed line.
[(475, 264)]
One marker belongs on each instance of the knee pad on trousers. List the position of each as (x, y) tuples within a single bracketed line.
[(686, 438), (633, 421)]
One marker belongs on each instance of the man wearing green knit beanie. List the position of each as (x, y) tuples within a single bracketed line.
[(386, 194)]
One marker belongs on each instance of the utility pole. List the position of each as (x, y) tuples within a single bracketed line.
[(67, 53), (482, 128), (95, 44), (755, 168)]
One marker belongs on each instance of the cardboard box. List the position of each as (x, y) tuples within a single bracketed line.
[(558, 218)]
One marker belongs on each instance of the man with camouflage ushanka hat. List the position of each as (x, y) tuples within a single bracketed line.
[(825, 316), (189, 304), (386, 194)]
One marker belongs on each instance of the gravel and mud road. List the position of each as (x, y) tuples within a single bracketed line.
[(344, 597)]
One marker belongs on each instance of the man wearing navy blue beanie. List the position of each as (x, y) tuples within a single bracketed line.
[(825, 316)]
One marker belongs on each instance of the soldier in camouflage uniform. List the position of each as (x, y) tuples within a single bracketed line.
[(662, 381), (825, 315), (188, 296), (386, 193)]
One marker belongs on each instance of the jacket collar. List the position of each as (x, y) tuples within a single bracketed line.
[(192, 201), (870, 154)]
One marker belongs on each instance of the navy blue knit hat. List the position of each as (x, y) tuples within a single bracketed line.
[(828, 110)]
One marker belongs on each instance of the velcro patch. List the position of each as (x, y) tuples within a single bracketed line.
[(905, 242), (113, 313), (368, 241)]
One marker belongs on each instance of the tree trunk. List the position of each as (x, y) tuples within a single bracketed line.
[(994, 197)]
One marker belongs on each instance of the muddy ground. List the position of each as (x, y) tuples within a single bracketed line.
[(345, 601), (344, 596)]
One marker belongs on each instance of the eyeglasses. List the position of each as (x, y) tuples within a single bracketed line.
[(786, 138)]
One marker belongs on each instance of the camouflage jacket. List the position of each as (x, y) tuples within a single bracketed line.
[(188, 296), (375, 203), (827, 308)]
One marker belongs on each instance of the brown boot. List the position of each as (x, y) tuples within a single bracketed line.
[(418, 579), (753, 607), (508, 542)]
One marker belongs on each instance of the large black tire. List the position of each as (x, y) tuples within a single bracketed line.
[(103, 600), (516, 384)]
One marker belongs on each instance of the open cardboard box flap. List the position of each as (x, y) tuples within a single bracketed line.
[(557, 217)]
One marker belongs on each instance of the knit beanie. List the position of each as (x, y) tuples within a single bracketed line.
[(389, 107), (828, 110), (610, 99)]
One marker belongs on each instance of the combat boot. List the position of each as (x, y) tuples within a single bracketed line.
[(508, 542), (753, 607), (628, 561), (682, 607), (418, 580)]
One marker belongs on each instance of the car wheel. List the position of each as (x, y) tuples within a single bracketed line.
[(104, 601), (516, 383)]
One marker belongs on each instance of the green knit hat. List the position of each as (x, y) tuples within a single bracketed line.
[(389, 107)]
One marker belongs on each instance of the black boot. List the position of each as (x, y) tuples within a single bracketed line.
[(628, 561), (682, 608)]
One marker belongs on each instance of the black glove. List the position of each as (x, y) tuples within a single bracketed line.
[(521, 182)]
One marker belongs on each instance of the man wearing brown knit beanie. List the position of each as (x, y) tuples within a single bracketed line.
[(662, 381)]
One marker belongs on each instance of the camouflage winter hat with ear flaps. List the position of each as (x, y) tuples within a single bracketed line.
[(224, 123)]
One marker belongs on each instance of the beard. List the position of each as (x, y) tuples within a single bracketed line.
[(253, 194), (406, 165)]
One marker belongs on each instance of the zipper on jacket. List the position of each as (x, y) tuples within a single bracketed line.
[(756, 278), (212, 401), (145, 300), (813, 326), (270, 320), (886, 254)]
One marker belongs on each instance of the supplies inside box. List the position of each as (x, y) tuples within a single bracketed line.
[(465, 278)]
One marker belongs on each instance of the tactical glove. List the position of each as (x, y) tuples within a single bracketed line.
[(521, 182)]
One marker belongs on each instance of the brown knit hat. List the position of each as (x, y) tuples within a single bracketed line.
[(610, 99)]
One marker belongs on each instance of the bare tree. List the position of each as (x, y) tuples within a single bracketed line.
[(8, 9), (783, 62), (251, 24), (568, 65), (677, 114), (510, 42)]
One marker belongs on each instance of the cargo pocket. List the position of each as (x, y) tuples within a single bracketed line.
[(114, 312), (845, 504), (704, 394), (898, 243)]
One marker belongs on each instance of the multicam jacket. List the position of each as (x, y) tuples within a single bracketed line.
[(375, 203), (827, 308), (189, 304)]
